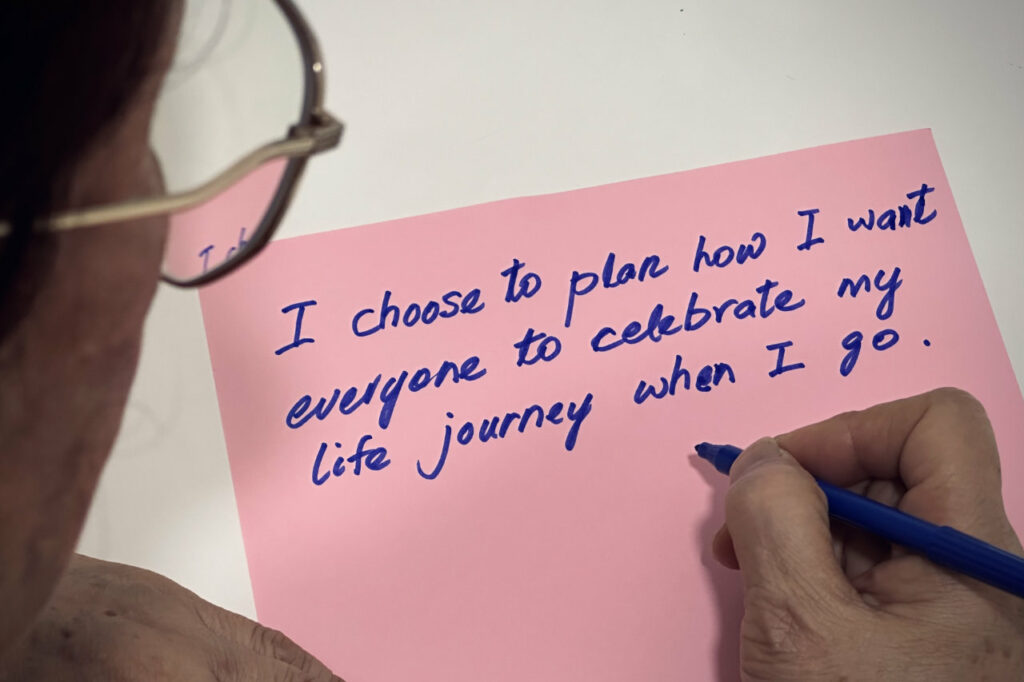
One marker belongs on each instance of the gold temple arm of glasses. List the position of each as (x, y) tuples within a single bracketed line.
[(322, 134)]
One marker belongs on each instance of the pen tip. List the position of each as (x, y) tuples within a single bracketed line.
[(703, 450)]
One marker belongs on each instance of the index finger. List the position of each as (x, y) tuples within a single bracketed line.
[(940, 444)]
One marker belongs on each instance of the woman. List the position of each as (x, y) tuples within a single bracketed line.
[(85, 76), (80, 82)]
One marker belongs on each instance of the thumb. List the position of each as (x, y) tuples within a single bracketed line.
[(778, 519)]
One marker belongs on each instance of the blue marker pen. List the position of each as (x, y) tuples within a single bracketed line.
[(944, 545)]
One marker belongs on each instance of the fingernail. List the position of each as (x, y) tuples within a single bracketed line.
[(764, 450)]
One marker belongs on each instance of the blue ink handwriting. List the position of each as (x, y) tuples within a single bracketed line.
[(660, 325), (517, 288), (548, 349), (298, 339), (724, 255), (889, 286), (852, 342), (205, 252), (373, 459), (390, 315), (889, 220), (582, 283), (780, 360), (351, 400), (495, 428), (707, 378), (810, 240)]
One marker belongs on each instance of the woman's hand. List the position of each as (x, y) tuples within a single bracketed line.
[(114, 622), (832, 603)]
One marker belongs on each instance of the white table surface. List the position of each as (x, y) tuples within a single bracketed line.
[(457, 102)]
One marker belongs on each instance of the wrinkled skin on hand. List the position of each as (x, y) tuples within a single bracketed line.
[(114, 622), (828, 603)]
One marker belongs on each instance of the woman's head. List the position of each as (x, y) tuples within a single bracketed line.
[(80, 79), (72, 73)]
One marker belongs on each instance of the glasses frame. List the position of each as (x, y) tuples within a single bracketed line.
[(315, 132)]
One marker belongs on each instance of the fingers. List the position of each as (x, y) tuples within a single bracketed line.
[(857, 551), (722, 549), (907, 579), (777, 520), (939, 444), (860, 551), (269, 645), (276, 645), (237, 664), (277, 671)]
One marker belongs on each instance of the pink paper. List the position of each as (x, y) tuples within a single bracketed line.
[(521, 559)]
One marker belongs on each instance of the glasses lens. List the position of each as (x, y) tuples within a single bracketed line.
[(219, 232), (236, 83)]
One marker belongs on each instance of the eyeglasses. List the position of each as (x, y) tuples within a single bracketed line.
[(219, 224)]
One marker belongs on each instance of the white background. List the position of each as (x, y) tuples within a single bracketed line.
[(456, 102)]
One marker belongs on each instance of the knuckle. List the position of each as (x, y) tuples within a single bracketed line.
[(848, 416), (210, 619), (227, 667), (772, 484), (276, 645), (968, 411), (292, 675), (267, 641), (847, 421), (957, 398)]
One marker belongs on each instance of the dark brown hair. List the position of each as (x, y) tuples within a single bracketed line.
[(67, 70)]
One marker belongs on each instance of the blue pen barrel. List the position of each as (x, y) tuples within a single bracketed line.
[(903, 529), (942, 544), (978, 559)]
